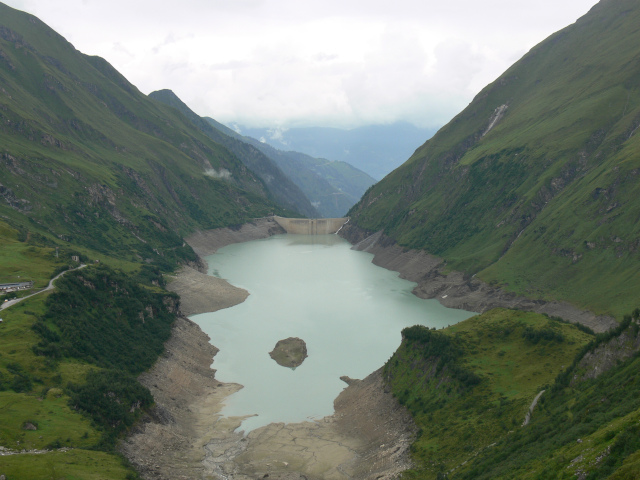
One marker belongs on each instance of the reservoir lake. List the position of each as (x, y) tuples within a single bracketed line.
[(348, 311)]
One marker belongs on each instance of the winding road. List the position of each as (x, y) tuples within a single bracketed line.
[(10, 303)]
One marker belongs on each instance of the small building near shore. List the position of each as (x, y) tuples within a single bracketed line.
[(14, 287)]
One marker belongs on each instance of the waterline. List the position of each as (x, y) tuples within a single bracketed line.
[(348, 311)]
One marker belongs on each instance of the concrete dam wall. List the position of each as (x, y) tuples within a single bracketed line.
[(311, 226)]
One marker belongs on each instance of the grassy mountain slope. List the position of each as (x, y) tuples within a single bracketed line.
[(534, 185), (85, 158), (283, 190), (470, 386), (92, 168), (68, 362), (332, 186)]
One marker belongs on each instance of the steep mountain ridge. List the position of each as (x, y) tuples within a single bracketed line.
[(280, 186), (87, 159), (533, 186), (93, 171)]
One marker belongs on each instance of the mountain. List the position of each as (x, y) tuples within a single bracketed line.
[(332, 186), (510, 394), (534, 186), (375, 149), (92, 171), (89, 160), (283, 190)]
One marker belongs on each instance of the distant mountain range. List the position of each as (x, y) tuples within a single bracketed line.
[(314, 187), (283, 190), (332, 186), (375, 149)]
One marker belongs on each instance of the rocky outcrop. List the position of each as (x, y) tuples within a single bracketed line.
[(20, 204), (608, 355), (289, 352), (455, 289)]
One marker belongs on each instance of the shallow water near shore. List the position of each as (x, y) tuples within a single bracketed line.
[(348, 311)]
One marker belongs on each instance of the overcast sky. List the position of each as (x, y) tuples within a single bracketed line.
[(285, 63)]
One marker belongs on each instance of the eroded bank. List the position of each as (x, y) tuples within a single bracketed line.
[(368, 436), (186, 437), (455, 289)]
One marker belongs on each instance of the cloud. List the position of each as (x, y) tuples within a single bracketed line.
[(278, 135), (284, 63), (223, 174)]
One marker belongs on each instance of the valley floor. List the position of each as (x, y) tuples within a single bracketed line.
[(368, 436)]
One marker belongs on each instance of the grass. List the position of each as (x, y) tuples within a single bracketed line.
[(45, 404), (458, 422), (75, 464), (21, 262), (17, 338), (515, 368), (51, 412), (57, 423), (581, 427)]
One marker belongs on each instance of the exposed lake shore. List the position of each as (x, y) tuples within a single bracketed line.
[(455, 289), (369, 434), (185, 436)]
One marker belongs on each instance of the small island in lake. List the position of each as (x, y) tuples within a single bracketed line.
[(289, 352)]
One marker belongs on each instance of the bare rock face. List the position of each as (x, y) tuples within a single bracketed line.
[(289, 352), (607, 355)]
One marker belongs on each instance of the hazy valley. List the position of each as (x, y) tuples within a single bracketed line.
[(523, 208)]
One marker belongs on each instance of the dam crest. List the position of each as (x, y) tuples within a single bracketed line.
[(311, 226)]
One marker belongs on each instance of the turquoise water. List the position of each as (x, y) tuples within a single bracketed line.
[(347, 310)]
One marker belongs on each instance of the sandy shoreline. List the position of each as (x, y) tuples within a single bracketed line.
[(185, 437), (201, 293)]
